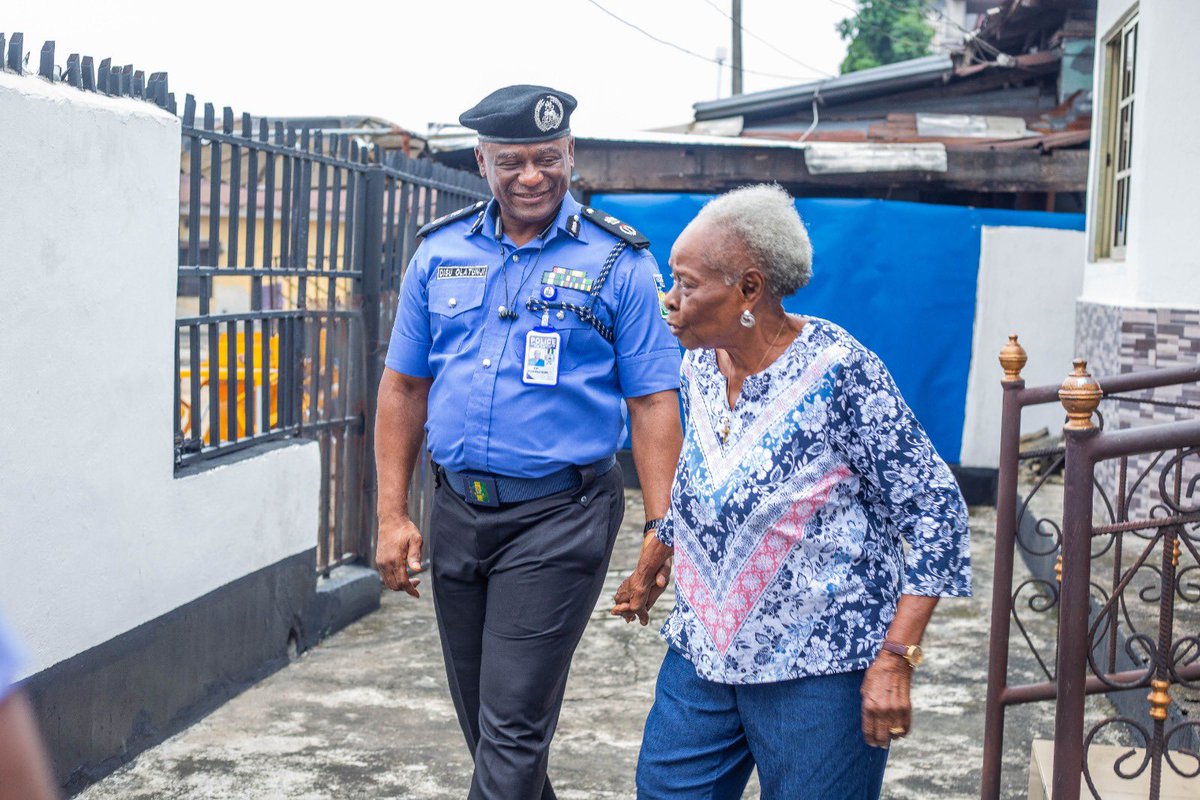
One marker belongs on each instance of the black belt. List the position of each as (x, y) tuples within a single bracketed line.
[(489, 489)]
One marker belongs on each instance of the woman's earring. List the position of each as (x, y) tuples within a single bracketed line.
[(747, 319)]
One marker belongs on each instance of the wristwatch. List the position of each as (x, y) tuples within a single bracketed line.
[(651, 525), (909, 652)]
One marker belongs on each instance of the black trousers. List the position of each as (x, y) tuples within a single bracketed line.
[(513, 588)]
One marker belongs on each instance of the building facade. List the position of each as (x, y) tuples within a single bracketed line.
[(1140, 305)]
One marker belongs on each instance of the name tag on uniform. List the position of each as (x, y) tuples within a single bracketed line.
[(444, 273), (542, 350)]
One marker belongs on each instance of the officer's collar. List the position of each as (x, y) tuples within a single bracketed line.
[(566, 222)]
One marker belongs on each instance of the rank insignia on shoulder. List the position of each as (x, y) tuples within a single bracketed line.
[(453, 216), (567, 278), (661, 287), (617, 228)]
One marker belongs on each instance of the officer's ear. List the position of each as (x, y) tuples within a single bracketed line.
[(480, 162), (571, 151)]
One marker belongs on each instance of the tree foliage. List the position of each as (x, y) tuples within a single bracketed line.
[(885, 31)]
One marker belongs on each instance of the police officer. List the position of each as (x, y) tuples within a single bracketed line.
[(526, 326)]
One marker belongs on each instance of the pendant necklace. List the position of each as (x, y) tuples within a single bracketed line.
[(725, 420)]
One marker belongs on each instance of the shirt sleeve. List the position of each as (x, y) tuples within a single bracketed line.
[(408, 350), (10, 661), (884, 443), (647, 354)]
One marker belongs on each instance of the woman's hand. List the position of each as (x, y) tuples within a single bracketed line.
[(886, 707), (645, 584)]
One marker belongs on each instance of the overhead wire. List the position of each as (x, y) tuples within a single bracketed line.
[(755, 36), (694, 54)]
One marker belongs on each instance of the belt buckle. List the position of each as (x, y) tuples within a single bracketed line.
[(481, 490)]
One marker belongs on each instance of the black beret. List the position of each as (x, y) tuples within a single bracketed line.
[(521, 113)]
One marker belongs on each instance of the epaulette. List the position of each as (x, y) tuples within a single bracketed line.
[(616, 227), (453, 216)]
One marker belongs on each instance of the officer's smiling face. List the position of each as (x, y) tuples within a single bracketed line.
[(528, 180), (702, 309)]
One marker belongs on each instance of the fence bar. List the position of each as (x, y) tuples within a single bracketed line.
[(1131, 441), (231, 381), (371, 253), (1129, 679), (1073, 613), (1006, 536)]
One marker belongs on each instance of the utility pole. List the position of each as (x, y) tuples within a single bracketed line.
[(736, 64)]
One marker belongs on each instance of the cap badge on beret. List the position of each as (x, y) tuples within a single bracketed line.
[(548, 113)]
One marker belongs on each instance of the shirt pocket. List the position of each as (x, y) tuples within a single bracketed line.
[(582, 343), (454, 311)]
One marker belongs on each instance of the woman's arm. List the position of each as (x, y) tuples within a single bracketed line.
[(887, 707), (886, 445)]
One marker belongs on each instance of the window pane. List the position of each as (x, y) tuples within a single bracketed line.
[(1122, 213), (1123, 140), (1128, 155), (1128, 70)]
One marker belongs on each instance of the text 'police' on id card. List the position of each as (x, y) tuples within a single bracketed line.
[(541, 357)]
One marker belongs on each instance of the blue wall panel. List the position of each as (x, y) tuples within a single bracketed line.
[(899, 276)]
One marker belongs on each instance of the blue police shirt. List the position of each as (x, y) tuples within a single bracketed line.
[(482, 416)]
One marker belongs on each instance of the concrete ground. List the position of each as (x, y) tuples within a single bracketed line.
[(367, 713)]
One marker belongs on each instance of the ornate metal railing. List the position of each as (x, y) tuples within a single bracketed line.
[(1112, 574)]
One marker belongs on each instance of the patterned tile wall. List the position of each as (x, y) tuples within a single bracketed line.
[(1118, 339)]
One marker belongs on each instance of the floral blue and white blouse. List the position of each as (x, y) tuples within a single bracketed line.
[(790, 514)]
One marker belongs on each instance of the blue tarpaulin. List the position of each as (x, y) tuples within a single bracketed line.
[(899, 276)]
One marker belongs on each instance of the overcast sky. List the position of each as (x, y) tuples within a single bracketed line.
[(421, 62)]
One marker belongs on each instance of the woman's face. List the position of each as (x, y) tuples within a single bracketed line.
[(702, 309)]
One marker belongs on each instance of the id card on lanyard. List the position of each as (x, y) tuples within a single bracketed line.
[(542, 351)]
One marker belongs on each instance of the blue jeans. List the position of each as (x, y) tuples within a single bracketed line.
[(703, 739)]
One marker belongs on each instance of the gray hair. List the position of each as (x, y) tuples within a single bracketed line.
[(769, 233)]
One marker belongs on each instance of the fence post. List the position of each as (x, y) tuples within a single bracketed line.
[(370, 253), (1080, 396), (1012, 359)]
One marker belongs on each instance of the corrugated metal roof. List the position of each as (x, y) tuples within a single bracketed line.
[(865, 83)]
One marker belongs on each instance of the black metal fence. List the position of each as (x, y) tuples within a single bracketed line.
[(293, 243), (313, 233), (1114, 575)]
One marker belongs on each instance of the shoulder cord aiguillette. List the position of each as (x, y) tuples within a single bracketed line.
[(586, 313)]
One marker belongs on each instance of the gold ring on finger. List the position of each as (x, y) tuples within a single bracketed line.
[(896, 731)]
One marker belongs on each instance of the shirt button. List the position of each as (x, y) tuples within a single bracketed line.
[(487, 362), (561, 315), (452, 302)]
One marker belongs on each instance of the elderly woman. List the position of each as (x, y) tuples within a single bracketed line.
[(799, 610)]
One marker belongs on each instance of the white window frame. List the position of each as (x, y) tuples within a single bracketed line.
[(1115, 159)]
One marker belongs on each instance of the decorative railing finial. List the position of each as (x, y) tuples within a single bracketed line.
[(1080, 396), (1159, 699), (1012, 358)]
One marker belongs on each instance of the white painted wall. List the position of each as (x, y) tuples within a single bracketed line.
[(96, 535), (1162, 261), (1028, 281)]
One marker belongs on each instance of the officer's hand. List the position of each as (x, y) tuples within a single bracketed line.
[(398, 551), (649, 580), (637, 594)]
